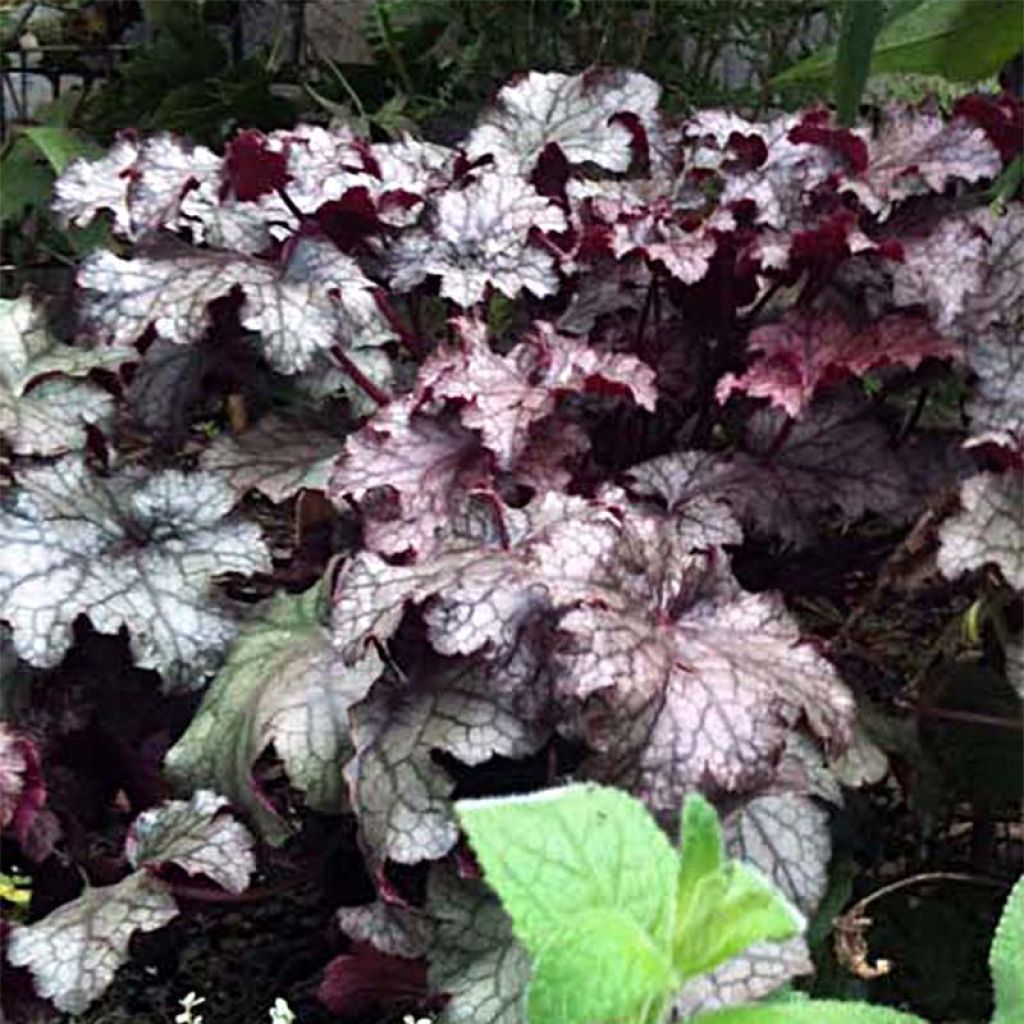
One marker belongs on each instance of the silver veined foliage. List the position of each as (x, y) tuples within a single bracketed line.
[(75, 950), (130, 550)]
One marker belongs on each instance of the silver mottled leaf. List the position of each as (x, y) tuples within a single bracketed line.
[(319, 298), (575, 112), (988, 529), (197, 837), (916, 151), (127, 550), (393, 929), (475, 958), (276, 457), (43, 411), (75, 951), (480, 237), (400, 794)]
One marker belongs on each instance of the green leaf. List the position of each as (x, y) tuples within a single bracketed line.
[(811, 1011), (283, 685), (604, 967), (861, 21), (961, 40), (562, 853), (60, 146), (587, 878), (1006, 960), (722, 907), (25, 181)]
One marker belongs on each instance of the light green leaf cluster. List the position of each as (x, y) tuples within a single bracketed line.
[(615, 918)]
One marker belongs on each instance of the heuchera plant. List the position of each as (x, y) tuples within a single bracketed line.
[(554, 375)]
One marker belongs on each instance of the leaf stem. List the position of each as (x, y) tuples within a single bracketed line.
[(290, 203), (380, 396)]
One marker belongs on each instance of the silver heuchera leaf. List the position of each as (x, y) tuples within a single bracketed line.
[(993, 324), (917, 152), (75, 951), (677, 480), (319, 298), (987, 529), (786, 836), (88, 186), (47, 416), (475, 959), (505, 395), (276, 457), (400, 795), (408, 167), (197, 837), (142, 184), (167, 169), (762, 969), (282, 684), (393, 929), (709, 702), (780, 186), (406, 470), (942, 268), (481, 236), (999, 299), (997, 402), (575, 112), (128, 550)]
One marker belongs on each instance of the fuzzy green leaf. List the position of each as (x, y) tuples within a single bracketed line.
[(723, 908), (555, 855), (811, 1011), (1006, 960), (604, 967)]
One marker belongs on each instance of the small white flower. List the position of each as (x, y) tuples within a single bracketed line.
[(410, 1019), (281, 1012), (188, 1004)]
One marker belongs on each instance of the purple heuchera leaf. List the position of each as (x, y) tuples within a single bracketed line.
[(503, 396), (808, 351), (703, 696), (252, 168), (474, 411), (673, 678), (365, 980), (399, 793), (406, 471)]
